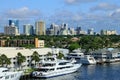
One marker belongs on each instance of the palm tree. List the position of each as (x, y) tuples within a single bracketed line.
[(60, 56), (4, 60), (20, 59), (8, 62), (7, 42), (0, 61), (35, 57), (49, 54)]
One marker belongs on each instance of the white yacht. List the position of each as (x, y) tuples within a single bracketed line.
[(55, 67), (74, 55), (81, 58), (5, 74)]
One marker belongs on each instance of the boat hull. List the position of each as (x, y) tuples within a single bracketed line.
[(59, 72), (12, 76)]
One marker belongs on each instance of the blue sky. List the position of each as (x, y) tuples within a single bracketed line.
[(97, 14)]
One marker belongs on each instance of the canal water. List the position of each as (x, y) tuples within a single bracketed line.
[(92, 72)]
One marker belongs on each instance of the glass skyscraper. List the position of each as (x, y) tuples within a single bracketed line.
[(15, 22), (28, 29)]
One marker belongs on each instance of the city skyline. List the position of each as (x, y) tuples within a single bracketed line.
[(97, 14)]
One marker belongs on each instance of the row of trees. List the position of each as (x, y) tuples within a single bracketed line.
[(5, 61), (91, 43), (85, 41)]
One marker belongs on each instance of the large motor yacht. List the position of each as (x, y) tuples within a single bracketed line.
[(55, 67), (81, 58), (5, 74)]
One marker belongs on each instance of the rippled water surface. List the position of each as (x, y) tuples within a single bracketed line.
[(92, 72)]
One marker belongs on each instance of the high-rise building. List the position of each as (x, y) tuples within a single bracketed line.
[(90, 31), (72, 31), (108, 32), (11, 30), (103, 32), (40, 28), (54, 29), (64, 26), (63, 29), (28, 29), (15, 22), (78, 29)]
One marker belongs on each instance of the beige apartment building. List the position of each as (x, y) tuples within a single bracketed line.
[(40, 28), (18, 42)]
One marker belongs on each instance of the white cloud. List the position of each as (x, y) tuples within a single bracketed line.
[(23, 12), (115, 13), (65, 16), (77, 17), (71, 1), (104, 7), (78, 1)]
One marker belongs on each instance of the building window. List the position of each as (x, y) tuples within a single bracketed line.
[(14, 62), (14, 58), (28, 60)]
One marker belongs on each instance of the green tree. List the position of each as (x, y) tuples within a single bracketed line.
[(20, 59), (49, 54), (8, 62), (73, 46), (35, 57), (107, 42), (7, 42), (60, 56), (91, 43), (4, 60), (0, 61)]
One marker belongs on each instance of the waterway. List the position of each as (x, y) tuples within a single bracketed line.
[(109, 71)]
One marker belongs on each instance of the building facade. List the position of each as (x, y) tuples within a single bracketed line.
[(54, 29), (39, 43), (15, 22), (28, 29), (90, 31), (19, 42), (11, 30), (106, 55), (40, 28), (108, 32), (11, 53)]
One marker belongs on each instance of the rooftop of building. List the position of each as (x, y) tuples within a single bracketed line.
[(107, 50), (11, 52)]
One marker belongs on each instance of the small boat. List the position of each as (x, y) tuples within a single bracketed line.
[(5, 74), (55, 67)]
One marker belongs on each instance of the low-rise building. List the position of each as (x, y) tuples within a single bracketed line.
[(12, 29), (19, 42), (39, 43), (106, 55), (11, 52)]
